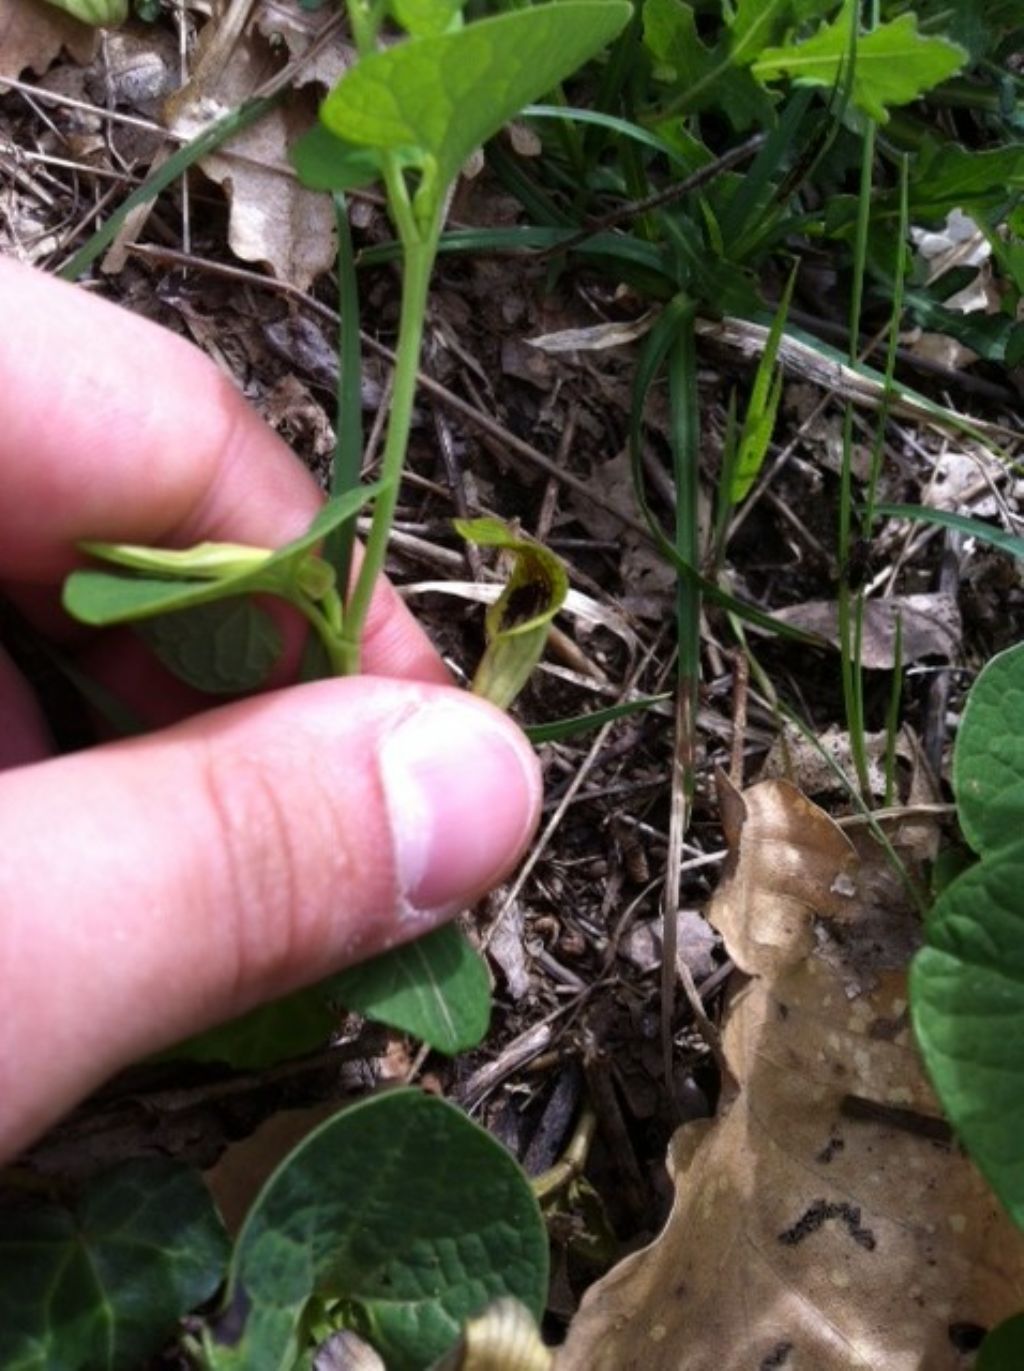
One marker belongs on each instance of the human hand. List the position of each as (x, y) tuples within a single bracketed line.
[(153, 887)]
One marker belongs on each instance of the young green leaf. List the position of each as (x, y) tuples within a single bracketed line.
[(436, 988), (518, 622), (225, 648), (100, 598), (204, 562), (448, 93), (894, 62), (759, 420), (103, 1283), (403, 1210)]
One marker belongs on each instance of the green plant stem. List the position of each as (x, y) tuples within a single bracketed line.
[(418, 253), (850, 606), (348, 448)]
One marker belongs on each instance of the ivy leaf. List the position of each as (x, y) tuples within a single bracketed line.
[(227, 647), (894, 62), (101, 1285), (518, 622), (448, 93), (403, 1210), (436, 988)]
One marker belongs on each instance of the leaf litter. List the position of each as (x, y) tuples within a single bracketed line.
[(775, 1203), (825, 1218)]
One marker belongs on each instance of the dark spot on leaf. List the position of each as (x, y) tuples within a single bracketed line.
[(819, 1214), (831, 1149)]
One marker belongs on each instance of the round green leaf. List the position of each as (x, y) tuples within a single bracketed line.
[(406, 1212), (436, 988), (101, 1286), (268, 1034), (988, 765), (967, 997)]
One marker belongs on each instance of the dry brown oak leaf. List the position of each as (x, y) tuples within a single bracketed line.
[(32, 34), (825, 1220)]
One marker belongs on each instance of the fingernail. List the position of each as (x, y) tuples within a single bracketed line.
[(463, 795)]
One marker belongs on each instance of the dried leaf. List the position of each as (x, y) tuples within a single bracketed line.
[(273, 219), (931, 627), (32, 34), (597, 337), (825, 1220)]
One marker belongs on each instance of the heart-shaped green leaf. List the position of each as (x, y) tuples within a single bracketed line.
[(326, 162), (436, 988), (448, 93), (102, 1285), (268, 1034), (400, 1209)]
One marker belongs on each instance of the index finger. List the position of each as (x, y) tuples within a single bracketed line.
[(115, 429)]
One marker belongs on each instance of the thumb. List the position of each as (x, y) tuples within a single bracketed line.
[(156, 886)]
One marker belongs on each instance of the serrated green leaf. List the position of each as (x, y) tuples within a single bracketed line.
[(100, 1286), (406, 1212), (704, 77), (1003, 1349), (449, 93), (518, 622), (967, 1001), (102, 14), (100, 598), (894, 62), (988, 763), (225, 648), (436, 988)]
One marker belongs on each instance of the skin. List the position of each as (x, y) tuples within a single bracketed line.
[(153, 887)]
